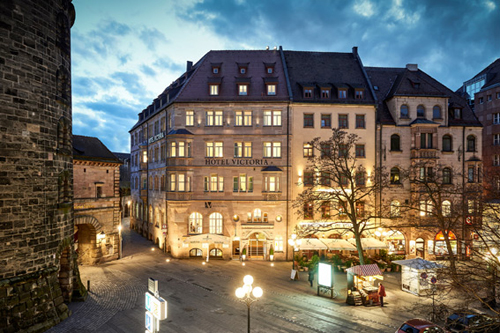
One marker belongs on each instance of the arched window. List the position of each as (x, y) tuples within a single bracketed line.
[(395, 208), (195, 253), (446, 176), (471, 143), (216, 253), (395, 177), (436, 112), (446, 208), (420, 111), (215, 223), (195, 223), (265, 218), (150, 216), (404, 111), (395, 143), (257, 215), (447, 143)]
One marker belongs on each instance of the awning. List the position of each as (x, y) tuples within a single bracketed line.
[(418, 263), (370, 243), (338, 244), (312, 244), (206, 238), (365, 270)]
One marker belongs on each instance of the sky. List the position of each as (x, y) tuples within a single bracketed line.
[(126, 52)]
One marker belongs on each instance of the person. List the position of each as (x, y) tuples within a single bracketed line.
[(311, 276), (381, 293)]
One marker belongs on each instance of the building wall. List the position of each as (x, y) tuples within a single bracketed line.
[(36, 227)]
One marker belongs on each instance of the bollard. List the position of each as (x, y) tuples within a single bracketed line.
[(88, 285)]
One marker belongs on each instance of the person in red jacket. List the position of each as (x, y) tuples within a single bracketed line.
[(381, 293)]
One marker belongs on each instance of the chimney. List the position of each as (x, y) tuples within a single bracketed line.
[(412, 67), (189, 65), (355, 50)]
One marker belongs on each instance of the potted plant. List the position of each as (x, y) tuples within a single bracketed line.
[(244, 253), (271, 253)]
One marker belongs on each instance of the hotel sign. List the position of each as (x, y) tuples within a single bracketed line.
[(235, 161), (156, 137)]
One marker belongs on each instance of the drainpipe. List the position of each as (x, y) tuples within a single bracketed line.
[(463, 190)]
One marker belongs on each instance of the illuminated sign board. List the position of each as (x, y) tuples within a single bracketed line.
[(325, 275), (150, 322), (157, 306)]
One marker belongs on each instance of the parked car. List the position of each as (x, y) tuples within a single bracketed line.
[(420, 326), (472, 323)]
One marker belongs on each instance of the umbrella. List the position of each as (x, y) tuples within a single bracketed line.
[(312, 244), (370, 243), (338, 244)]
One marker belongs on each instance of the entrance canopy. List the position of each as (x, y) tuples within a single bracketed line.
[(312, 244), (365, 270), (370, 243), (338, 244), (418, 263)]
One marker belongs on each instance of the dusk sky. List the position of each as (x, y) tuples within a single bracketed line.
[(126, 52)]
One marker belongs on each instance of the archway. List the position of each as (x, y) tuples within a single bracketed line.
[(440, 248), (256, 245), (86, 229), (419, 247)]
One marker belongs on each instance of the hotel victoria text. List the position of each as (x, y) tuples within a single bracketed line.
[(219, 157)]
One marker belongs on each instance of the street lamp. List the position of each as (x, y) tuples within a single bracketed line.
[(295, 243), (245, 293)]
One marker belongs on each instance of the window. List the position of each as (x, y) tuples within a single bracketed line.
[(214, 89), (481, 100), (342, 208), (238, 119), (395, 176), (496, 118), (326, 149), (242, 183), (425, 208), (272, 118), (215, 223), (360, 208), (308, 93), (326, 121), (360, 150), (470, 174), (457, 113), (267, 119), (173, 149), (425, 140), (257, 215), (209, 149), (420, 111), (447, 142), (215, 70), (395, 209), (436, 112), (247, 149), (247, 118), (344, 180), (209, 118), (242, 89), (446, 208), (276, 118), (242, 149), (342, 93), (243, 70), (98, 191), (308, 120), (195, 223), (471, 143), (172, 182), (343, 121), (404, 111), (325, 210), (496, 160), (360, 179), (271, 184), (308, 211), (308, 150), (182, 149), (325, 179), (496, 139), (267, 149), (308, 178), (269, 70), (358, 94), (219, 118), (446, 176), (145, 157), (181, 184), (360, 121), (272, 149), (395, 143), (218, 149), (325, 93), (343, 150), (278, 244), (426, 173), (271, 89), (214, 183)]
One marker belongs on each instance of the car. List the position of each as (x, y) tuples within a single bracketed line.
[(420, 326), (472, 323)]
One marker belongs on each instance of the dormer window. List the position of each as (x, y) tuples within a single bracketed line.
[(242, 89), (243, 70), (457, 113), (308, 92), (420, 111), (342, 93), (271, 89), (269, 70), (214, 90), (215, 70), (325, 93), (359, 94)]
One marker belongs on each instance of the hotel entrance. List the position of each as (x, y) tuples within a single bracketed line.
[(257, 246)]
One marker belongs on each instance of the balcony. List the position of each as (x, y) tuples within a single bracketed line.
[(425, 153)]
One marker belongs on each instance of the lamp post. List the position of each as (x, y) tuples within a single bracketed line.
[(294, 242), (120, 249), (245, 293)]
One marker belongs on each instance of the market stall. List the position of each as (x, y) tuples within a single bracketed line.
[(416, 274), (361, 284)]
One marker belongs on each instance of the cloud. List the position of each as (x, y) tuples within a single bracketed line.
[(152, 37)]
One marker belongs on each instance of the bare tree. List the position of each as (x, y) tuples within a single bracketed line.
[(339, 188)]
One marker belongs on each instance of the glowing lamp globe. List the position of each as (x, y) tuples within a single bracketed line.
[(257, 292), (240, 293)]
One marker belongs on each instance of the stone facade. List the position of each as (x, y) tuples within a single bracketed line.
[(38, 263)]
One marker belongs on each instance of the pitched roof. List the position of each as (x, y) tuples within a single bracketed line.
[(228, 77), (492, 72), (323, 69), (92, 149), (391, 82)]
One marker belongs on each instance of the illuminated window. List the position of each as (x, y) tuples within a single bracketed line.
[(446, 208), (308, 150), (218, 118), (215, 223), (218, 149), (209, 118), (242, 89), (395, 209), (278, 243), (308, 211), (395, 177), (271, 89), (214, 89)]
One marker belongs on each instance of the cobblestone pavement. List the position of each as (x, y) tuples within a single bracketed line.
[(201, 297)]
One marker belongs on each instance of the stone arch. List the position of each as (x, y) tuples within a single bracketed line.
[(86, 244), (88, 219)]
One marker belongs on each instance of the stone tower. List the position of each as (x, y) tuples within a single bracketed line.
[(37, 262)]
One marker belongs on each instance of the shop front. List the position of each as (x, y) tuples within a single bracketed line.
[(396, 242), (207, 246), (440, 248), (361, 284)]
